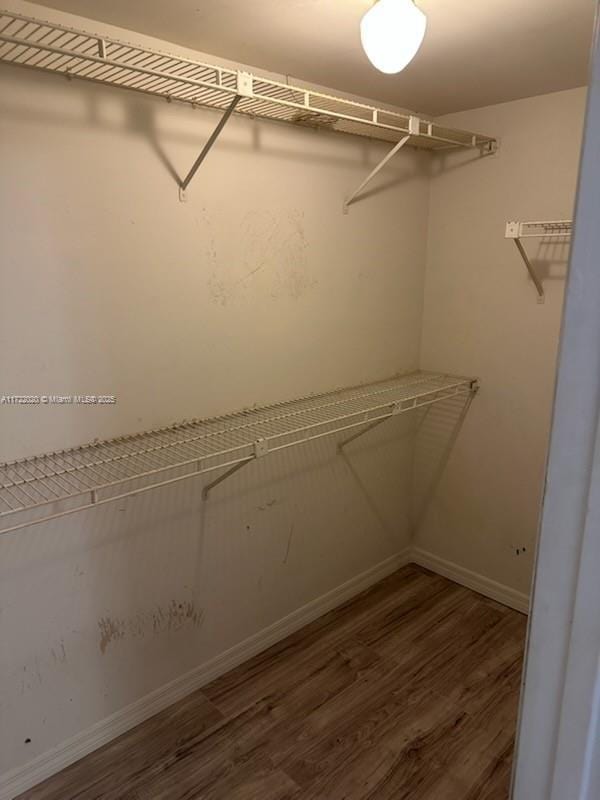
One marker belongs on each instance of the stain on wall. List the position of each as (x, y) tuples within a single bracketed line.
[(32, 674), (276, 248), (110, 631), (171, 618), (289, 544), (59, 653)]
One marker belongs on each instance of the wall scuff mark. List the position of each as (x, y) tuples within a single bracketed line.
[(289, 544), (171, 618), (110, 630)]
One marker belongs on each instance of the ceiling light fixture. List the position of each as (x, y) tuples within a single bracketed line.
[(391, 33)]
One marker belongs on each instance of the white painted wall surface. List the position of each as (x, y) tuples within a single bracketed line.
[(257, 290), (481, 318)]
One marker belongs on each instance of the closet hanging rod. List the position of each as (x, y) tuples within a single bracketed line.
[(546, 229), (47, 487), (44, 45)]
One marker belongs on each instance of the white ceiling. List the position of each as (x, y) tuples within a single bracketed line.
[(476, 52)]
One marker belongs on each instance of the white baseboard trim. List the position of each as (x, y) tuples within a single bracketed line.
[(472, 580), (47, 764)]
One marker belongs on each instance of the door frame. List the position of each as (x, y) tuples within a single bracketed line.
[(558, 742)]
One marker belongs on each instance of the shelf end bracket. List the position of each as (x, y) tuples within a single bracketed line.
[(261, 448), (209, 486), (361, 432), (413, 128), (244, 89), (398, 407), (513, 231)]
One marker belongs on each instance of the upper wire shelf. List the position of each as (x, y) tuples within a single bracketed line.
[(553, 229), (75, 53), (46, 487)]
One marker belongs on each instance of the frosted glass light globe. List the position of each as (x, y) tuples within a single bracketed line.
[(391, 33)]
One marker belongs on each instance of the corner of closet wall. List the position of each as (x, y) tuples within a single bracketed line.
[(481, 318), (256, 290)]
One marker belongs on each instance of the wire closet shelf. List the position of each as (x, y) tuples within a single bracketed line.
[(43, 45), (550, 229), (42, 488)]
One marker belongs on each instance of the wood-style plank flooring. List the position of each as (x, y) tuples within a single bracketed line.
[(409, 692)]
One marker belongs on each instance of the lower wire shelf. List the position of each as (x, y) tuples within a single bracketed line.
[(47, 487)]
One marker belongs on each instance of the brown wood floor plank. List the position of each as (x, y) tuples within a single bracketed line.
[(249, 735), (408, 691), (253, 784), (494, 781), (400, 696), (423, 731), (281, 664), (121, 762)]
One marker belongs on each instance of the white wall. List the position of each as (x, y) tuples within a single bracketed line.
[(481, 318), (256, 290)]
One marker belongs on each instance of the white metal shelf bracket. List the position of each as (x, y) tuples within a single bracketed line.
[(244, 89), (341, 445), (261, 448), (414, 126), (209, 486), (551, 229)]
